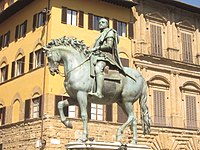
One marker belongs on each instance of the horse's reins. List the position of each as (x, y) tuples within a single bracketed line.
[(62, 74)]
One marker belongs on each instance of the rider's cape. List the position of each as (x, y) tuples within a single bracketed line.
[(112, 57)]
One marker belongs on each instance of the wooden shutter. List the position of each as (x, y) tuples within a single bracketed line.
[(191, 115), (109, 113), (27, 109), (130, 30), (8, 39), (23, 63), (3, 115), (125, 62), (115, 24), (6, 73), (25, 28), (57, 99), (121, 115), (1, 41), (156, 40), (41, 107), (44, 15), (17, 32), (34, 22), (64, 15), (186, 47), (81, 19), (31, 61), (13, 69), (159, 107), (90, 21), (89, 110), (42, 57)]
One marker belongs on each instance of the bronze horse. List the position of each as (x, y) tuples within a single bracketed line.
[(78, 83)]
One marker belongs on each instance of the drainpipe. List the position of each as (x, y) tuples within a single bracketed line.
[(42, 140)]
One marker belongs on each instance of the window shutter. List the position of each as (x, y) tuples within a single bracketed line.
[(81, 19), (3, 112), (57, 99), (25, 28), (23, 63), (13, 69), (1, 41), (27, 109), (44, 17), (89, 110), (115, 24), (191, 115), (34, 22), (17, 32), (125, 62), (8, 40), (6, 75), (121, 116), (90, 21), (64, 15), (31, 61), (130, 30), (40, 107), (109, 112), (42, 57)]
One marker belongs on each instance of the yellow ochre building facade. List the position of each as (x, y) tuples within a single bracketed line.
[(158, 38)]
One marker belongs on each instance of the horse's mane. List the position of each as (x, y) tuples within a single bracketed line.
[(68, 41)]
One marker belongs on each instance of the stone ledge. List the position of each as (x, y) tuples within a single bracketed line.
[(104, 146)]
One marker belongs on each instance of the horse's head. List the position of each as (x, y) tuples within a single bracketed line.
[(53, 60)]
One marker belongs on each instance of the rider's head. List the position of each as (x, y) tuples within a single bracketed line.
[(103, 23)]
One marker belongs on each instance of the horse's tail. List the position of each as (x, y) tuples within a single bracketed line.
[(144, 110)]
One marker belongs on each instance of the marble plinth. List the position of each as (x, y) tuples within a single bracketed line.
[(103, 146)]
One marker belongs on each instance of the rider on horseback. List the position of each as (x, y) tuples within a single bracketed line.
[(104, 50)]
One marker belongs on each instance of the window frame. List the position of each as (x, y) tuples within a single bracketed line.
[(4, 73)]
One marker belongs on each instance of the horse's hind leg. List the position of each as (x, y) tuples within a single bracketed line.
[(127, 107)]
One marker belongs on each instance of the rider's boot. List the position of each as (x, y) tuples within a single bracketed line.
[(99, 80)]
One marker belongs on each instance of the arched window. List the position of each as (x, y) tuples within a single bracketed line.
[(190, 92), (2, 114), (4, 72), (15, 111), (159, 95), (18, 65)]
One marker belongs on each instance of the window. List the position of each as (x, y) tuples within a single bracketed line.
[(18, 67), (156, 40), (33, 108), (20, 30), (97, 112), (159, 108), (4, 73), (93, 22), (70, 17), (186, 40), (39, 20), (120, 27), (36, 107), (125, 62), (191, 112), (5, 40), (69, 111), (2, 115), (1, 146), (121, 115), (96, 22), (36, 59)]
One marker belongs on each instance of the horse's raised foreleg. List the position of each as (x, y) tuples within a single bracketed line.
[(127, 107), (82, 100), (64, 120)]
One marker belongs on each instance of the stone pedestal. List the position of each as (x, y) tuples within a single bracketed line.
[(103, 146)]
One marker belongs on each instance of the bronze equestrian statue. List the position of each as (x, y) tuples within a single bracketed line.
[(123, 87)]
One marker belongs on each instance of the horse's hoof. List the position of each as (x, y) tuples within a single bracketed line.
[(67, 124), (82, 139)]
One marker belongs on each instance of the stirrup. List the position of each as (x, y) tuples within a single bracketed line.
[(96, 94)]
